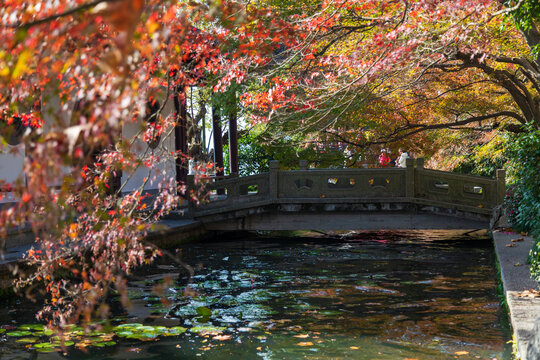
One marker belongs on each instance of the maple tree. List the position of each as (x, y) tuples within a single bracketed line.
[(377, 72), (77, 73)]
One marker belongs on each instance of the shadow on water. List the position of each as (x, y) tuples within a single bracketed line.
[(355, 295)]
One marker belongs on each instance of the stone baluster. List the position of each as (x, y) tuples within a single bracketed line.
[(409, 178), (302, 164), (233, 190), (273, 180)]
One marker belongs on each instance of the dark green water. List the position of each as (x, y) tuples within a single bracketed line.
[(385, 295)]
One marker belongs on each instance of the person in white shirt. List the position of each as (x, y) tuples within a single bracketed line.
[(401, 161)]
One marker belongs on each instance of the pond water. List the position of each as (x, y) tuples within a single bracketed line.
[(363, 295)]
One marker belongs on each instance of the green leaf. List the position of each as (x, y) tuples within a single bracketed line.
[(19, 333), (204, 311), (207, 329), (177, 330), (30, 340), (38, 327)]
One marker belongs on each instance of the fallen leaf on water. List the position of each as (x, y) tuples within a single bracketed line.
[(354, 347), (511, 245), (461, 353), (259, 348), (523, 233), (134, 349), (222, 337), (516, 240), (529, 293), (302, 336), (307, 343)]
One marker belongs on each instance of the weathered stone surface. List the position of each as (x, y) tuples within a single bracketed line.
[(533, 350)]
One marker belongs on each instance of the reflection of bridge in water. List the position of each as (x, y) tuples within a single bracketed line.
[(352, 199)]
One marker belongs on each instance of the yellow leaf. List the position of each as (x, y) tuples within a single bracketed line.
[(459, 353), (22, 64), (4, 71), (307, 343), (354, 347), (222, 337), (302, 336), (152, 27)]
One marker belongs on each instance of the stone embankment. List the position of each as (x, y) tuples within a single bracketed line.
[(523, 302)]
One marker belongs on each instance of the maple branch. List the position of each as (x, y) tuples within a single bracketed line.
[(448, 125), (510, 82), (412, 129), (524, 62), (451, 90), (61, 15)]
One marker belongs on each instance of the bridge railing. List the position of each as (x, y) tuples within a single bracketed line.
[(234, 190), (436, 187), (412, 184), (342, 183)]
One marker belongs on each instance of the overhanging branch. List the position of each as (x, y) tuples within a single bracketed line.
[(53, 17)]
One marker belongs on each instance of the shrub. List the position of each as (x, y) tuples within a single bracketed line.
[(523, 198)]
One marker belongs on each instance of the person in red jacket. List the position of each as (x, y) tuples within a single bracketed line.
[(384, 159)]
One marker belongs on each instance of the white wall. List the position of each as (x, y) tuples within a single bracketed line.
[(11, 167), (163, 171), (12, 157)]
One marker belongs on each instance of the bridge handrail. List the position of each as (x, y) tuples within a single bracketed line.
[(414, 183), (235, 189)]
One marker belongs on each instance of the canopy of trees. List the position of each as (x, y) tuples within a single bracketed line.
[(377, 72), (348, 72)]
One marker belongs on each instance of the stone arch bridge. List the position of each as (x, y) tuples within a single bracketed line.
[(351, 199)]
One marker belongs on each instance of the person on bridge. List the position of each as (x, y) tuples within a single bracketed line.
[(402, 160), (384, 159)]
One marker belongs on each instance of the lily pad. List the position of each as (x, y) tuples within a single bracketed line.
[(204, 311), (29, 340), (46, 345), (37, 327), (124, 333), (19, 333), (66, 343), (2, 331), (46, 332), (130, 326), (207, 329), (177, 330)]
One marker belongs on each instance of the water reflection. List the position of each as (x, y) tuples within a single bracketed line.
[(384, 295)]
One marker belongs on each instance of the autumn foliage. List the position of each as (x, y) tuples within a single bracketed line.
[(348, 72), (375, 73), (92, 67)]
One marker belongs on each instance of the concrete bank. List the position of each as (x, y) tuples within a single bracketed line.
[(515, 276)]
